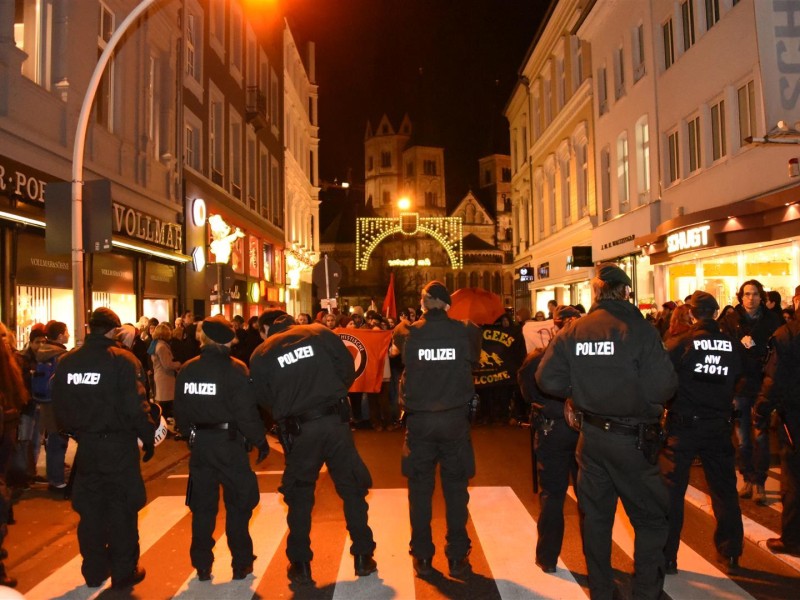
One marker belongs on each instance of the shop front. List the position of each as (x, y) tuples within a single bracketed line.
[(718, 249), (615, 242), (236, 268)]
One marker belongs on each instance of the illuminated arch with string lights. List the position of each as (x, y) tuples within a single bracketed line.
[(371, 231)]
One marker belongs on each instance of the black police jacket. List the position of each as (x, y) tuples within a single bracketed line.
[(303, 368), (611, 362), (439, 354), (97, 389), (213, 388), (782, 373), (708, 363), (551, 406)]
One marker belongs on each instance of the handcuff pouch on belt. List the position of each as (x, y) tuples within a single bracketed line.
[(649, 440), (540, 422)]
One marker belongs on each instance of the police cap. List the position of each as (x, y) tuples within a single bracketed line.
[(436, 289)]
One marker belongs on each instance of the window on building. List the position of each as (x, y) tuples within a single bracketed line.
[(252, 157), (274, 101), (669, 44), (152, 109), (602, 91), (687, 19), (104, 101), (718, 142), (605, 181), (409, 169), (236, 38), (370, 163), (236, 154), (642, 158), (429, 167), (386, 160), (252, 59), (216, 135), (551, 196), (577, 61), (582, 172), (623, 172), (536, 116), (547, 95), (561, 82), (506, 174), (194, 43), (431, 199), (564, 184), (34, 33), (387, 197), (192, 142), (263, 182), (712, 13), (619, 73), (673, 156), (638, 52), (217, 26), (275, 197), (747, 114), (487, 177), (693, 131)]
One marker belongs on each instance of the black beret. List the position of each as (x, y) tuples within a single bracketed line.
[(565, 312), (612, 274), (282, 323), (218, 329), (436, 289), (104, 317), (704, 300), (268, 316)]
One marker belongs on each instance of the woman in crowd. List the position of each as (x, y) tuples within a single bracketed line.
[(679, 322), (165, 368)]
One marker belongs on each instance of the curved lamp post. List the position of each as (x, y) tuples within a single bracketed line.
[(78, 289)]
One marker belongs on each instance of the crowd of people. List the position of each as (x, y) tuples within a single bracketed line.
[(622, 404)]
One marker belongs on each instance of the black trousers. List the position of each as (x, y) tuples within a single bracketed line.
[(611, 468), (711, 441), (325, 441), (790, 486), (218, 461), (438, 438), (107, 494), (555, 463)]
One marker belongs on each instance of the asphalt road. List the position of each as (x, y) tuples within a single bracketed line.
[(43, 549)]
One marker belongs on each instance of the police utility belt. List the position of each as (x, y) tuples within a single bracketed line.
[(649, 436), (290, 427), (233, 432), (693, 420)]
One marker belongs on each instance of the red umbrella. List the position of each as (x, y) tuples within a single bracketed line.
[(478, 305)]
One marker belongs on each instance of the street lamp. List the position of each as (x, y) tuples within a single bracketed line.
[(78, 290), (404, 203)]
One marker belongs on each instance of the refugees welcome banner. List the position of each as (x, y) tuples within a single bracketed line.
[(368, 348), (502, 353)]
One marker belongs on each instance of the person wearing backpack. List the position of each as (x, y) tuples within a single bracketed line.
[(47, 357)]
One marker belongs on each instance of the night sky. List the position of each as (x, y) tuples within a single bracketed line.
[(452, 63)]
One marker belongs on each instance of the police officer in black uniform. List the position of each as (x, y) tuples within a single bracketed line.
[(213, 404), (555, 451), (781, 391), (99, 398), (302, 373), (613, 365), (437, 387), (699, 423)]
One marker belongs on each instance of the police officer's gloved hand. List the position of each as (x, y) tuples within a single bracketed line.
[(149, 450), (263, 451)]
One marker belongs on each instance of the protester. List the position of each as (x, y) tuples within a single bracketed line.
[(165, 368)]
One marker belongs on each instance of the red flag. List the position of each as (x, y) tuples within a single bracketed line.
[(369, 348), (389, 305)]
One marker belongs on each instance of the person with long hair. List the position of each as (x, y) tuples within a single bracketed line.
[(165, 368), (13, 397)]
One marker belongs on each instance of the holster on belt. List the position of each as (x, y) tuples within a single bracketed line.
[(288, 429), (650, 439)]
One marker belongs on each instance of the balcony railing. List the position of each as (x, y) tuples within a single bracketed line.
[(256, 107)]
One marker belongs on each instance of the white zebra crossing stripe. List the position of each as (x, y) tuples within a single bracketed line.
[(753, 531), (267, 528), (155, 519), (388, 518), (696, 578), (508, 536)]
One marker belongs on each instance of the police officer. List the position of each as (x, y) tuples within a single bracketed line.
[(781, 391), (708, 363), (437, 387), (213, 404), (614, 366), (555, 451), (302, 374), (99, 398)]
